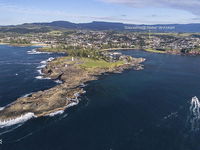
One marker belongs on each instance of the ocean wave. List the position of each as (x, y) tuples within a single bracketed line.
[(42, 66), (40, 72), (34, 52), (27, 95), (18, 120), (62, 111), (42, 78), (2, 108), (44, 62), (56, 113), (72, 104), (58, 81), (83, 85), (48, 60)]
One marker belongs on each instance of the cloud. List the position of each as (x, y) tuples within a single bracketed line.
[(191, 6), (32, 14)]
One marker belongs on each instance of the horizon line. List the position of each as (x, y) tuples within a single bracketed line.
[(96, 21)]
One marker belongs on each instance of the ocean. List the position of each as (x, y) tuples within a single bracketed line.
[(151, 109)]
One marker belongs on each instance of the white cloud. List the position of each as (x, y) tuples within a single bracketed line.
[(187, 5), (30, 14)]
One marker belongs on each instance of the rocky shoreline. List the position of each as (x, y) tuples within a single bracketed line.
[(60, 97)]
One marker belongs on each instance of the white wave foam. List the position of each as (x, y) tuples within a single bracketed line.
[(77, 94), (18, 120), (43, 62), (56, 113), (73, 104), (83, 85), (58, 81), (2, 108), (48, 60), (62, 111), (42, 66), (42, 78), (26, 95), (40, 71), (34, 52)]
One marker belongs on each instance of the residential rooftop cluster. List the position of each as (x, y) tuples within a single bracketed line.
[(87, 39)]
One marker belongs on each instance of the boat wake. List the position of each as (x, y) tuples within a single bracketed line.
[(194, 117)]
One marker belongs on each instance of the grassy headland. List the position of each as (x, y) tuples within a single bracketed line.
[(74, 70)]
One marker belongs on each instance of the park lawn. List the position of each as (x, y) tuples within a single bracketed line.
[(89, 63)]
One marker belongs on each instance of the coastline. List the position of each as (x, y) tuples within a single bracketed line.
[(24, 45), (73, 74), (172, 52), (147, 50)]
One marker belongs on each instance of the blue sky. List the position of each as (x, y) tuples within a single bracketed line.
[(126, 11)]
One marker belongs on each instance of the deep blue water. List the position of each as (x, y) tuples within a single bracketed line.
[(18, 70), (135, 110)]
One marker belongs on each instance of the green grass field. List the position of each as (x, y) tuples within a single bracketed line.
[(87, 63), (92, 64), (154, 51)]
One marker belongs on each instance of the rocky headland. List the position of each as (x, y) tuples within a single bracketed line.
[(73, 72)]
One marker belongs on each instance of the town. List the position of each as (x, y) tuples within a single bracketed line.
[(100, 40)]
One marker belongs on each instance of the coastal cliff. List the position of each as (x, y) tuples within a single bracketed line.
[(73, 72)]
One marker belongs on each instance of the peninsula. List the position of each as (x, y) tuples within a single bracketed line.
[(73, 70)]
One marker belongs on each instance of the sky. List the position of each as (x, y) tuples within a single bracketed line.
[(14, 12)]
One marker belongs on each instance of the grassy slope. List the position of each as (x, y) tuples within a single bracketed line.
[(92, 64), (88, 63)]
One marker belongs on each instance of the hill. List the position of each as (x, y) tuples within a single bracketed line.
[(95, 25)]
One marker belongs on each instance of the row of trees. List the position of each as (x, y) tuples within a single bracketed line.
[(19, 41)]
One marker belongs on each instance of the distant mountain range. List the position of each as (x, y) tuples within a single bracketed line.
[(59, 25)]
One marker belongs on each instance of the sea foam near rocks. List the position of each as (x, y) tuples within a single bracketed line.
[(34, 52), (17, 120), (58, 81), (42, 66), (2, 108), (42, 78), (27, 95), (48, 60), (56, 113), (44, 63), (62, 111), (72, 104)]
